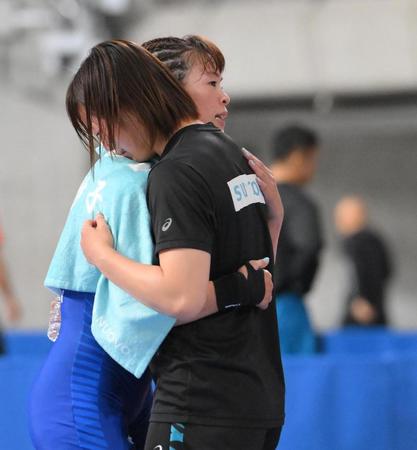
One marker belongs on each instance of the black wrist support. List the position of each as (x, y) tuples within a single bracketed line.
[(235, 290)]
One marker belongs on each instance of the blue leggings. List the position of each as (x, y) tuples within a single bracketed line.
[(83, 399)]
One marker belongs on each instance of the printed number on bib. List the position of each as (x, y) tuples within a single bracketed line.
[(245, 190)]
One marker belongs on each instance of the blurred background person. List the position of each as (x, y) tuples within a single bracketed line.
[(12, 305), (369, 260), (295, 151)]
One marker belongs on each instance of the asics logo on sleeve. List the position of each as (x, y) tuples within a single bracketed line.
[(166, 224)]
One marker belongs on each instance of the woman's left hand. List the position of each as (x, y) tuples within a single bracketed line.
[(96, 238), (268, 186)]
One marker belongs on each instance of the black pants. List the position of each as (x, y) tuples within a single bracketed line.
[(166, 436)]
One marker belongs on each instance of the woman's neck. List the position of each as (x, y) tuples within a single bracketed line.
[(161, 143)]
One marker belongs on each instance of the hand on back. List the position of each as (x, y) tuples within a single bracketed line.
[(268, 186), (96, 238)]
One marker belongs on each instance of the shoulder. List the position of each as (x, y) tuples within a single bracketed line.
[(204, 141), (372, 238), (113, 182), (296, 198), (121, 172), (212, 140), (170, 173), (357, 242), (166, 167)]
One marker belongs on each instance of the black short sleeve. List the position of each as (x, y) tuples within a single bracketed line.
[(181, 207)]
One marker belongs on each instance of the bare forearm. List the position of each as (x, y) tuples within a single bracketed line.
[(163, 291), (274, 226), (209, 307)]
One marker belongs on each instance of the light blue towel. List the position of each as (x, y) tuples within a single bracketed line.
[(127, 330)]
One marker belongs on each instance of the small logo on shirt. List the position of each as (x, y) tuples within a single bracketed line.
[(158, 447), (167, 224)]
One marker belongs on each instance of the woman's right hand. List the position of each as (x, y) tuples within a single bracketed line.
[(260, 264), (96, 239)]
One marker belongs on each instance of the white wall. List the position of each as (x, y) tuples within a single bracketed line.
[(294, 47), (41, 165)]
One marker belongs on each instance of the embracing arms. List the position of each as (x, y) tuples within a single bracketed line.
[(178, 287)]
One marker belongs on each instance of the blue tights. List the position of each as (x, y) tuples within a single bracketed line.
[(83, 399)]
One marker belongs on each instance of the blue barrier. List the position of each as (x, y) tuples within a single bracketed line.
[(16, 374), (360, 395), (350, 403), (357, 340), (27, 343)]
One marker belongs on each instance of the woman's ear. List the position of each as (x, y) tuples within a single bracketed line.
[(100, 132), (95, 126)]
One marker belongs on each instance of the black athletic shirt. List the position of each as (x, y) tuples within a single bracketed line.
[(371, 269), (300, 242), (224, 369)]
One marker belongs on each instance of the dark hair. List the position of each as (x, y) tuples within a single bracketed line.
[(293, 137), (120, 77), (180, 54)]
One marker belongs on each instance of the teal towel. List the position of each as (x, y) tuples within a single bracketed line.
[(128, 331)]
